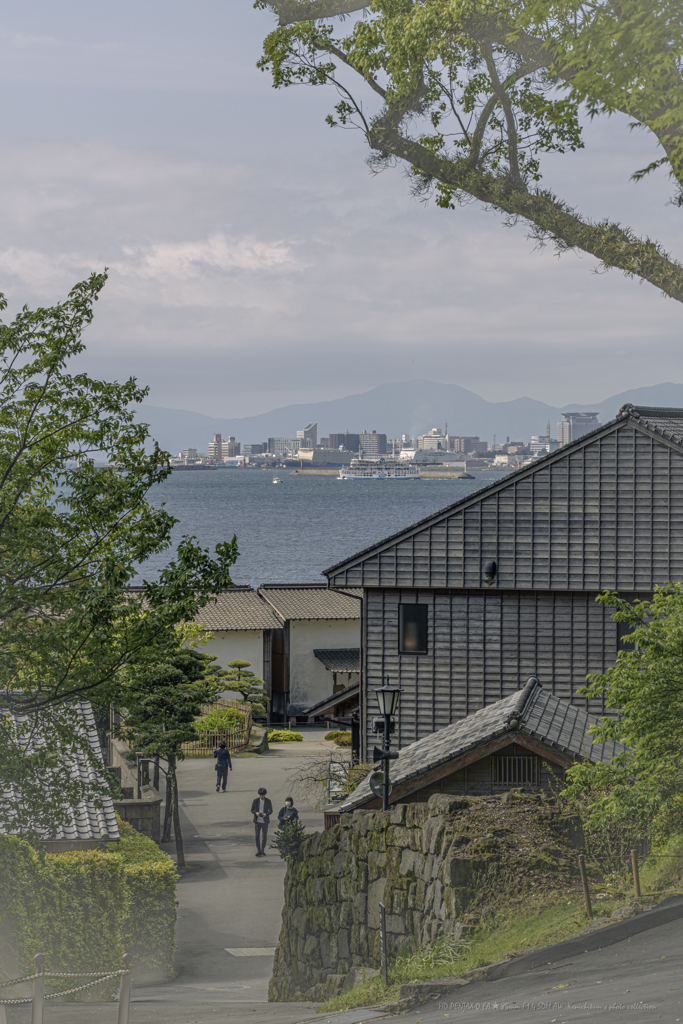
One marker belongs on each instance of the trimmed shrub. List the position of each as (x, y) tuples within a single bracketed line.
[(220, 720), (343, 739), (284, 736), (149, 927), (86, 908), (332, 735)]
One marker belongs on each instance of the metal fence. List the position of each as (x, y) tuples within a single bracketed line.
[(235, 739), (38, 996)]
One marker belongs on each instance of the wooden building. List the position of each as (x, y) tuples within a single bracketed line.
[(466, 604), (526, 740)]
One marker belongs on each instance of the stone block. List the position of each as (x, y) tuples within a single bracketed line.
[(442, 803), (346, 914), (375, 897), (324, 940), (395, 924), (357, 975), (312, 951), (399, 836), (427, 872), (377, 863), (339, 864), (343, 944), (398, 814), (360, 910), (318, 890), (407, 866)]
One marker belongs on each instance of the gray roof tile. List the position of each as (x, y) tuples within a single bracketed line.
[(547, 718), (241, 608), (345, 659), (665, 421), (330, 703), (315, 602), (87, 823)]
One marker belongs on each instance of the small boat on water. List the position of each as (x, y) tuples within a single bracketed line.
[(379, 469), (277, 480)]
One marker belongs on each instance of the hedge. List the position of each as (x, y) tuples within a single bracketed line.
[(85, 909)]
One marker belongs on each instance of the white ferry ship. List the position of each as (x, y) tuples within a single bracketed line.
[(379, 469)]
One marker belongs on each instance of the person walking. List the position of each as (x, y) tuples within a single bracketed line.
[(223, 764), (288, 812), (261, 808)]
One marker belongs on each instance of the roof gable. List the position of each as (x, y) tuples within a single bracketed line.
[(530, 711), (603, 512)]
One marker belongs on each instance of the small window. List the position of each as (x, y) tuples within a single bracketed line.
[(624, 630), (514, 770), (412, 629)]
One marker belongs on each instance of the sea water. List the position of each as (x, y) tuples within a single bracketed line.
[(291, 531)]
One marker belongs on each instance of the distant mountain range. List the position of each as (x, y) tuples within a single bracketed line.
[(409, 407)]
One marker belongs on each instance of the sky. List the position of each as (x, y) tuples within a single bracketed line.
[(254, 259)]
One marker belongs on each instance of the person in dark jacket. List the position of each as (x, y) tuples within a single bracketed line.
[(261, 808), (223, 764), (288, 812)]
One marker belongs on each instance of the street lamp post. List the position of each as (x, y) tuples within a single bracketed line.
[(387, 697)]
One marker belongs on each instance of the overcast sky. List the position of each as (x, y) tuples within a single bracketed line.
[(256, 262)]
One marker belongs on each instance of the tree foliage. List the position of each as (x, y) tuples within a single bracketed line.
[(471, 96), (76, 527), (643, 785), (160, 705), (239, 678)]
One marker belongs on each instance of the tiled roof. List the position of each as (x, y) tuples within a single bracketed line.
[(87, 823), (241, 608), (314, 602), (664, 421), (330, 703), (530, 710), (347, 659)]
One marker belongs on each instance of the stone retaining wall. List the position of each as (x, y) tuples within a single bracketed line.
[(427, 863)]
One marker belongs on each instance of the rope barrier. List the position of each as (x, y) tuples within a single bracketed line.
[(99, 976)]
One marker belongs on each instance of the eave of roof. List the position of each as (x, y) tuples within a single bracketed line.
[(625, 413), (340, 697)]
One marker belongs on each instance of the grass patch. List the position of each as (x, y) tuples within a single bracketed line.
[(449, 959), (664, 868)]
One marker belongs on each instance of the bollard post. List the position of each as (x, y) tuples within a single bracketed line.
[(383, 944), (38, 989), (124, 989), (636, 873), (584, 882), (3, 1014)]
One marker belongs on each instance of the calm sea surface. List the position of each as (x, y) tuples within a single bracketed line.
[(290, 532)]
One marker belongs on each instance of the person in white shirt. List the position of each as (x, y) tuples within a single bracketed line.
[(261, 808)]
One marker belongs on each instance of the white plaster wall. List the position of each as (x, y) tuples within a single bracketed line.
[(231, 644), (309, 681)]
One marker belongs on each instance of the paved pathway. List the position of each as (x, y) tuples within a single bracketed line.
[(227, 898)]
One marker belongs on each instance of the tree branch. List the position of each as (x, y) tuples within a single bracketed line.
[(613, 245)]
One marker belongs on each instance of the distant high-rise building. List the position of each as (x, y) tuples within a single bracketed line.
[(542, 443), (308, 437), (435, 440), (255, 449), (372, 443), (284, 445), (188, 453), (349, 442), (219, 449), (575, 424)]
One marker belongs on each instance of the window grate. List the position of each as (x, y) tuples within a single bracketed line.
[(515, 771)]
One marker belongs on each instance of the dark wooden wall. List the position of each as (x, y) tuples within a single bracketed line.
[(482, 646), (477, 779), (607, 515)]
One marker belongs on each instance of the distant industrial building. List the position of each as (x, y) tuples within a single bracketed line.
[(372, 443), (308, 437), (284, 445), (255, 449), (349, 442), (575, 425)]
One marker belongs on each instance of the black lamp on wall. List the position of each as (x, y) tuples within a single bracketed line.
[(490, 570), (387, 697)]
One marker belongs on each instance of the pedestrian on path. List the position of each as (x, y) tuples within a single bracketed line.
[(261, 808), (288, 812), (223, 764)]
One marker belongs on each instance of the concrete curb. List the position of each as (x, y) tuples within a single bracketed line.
[(413, 995)]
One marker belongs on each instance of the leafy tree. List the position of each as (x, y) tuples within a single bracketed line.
[(242, 680), (160, 705), (471, 95), (75, 529), (642, 786)]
